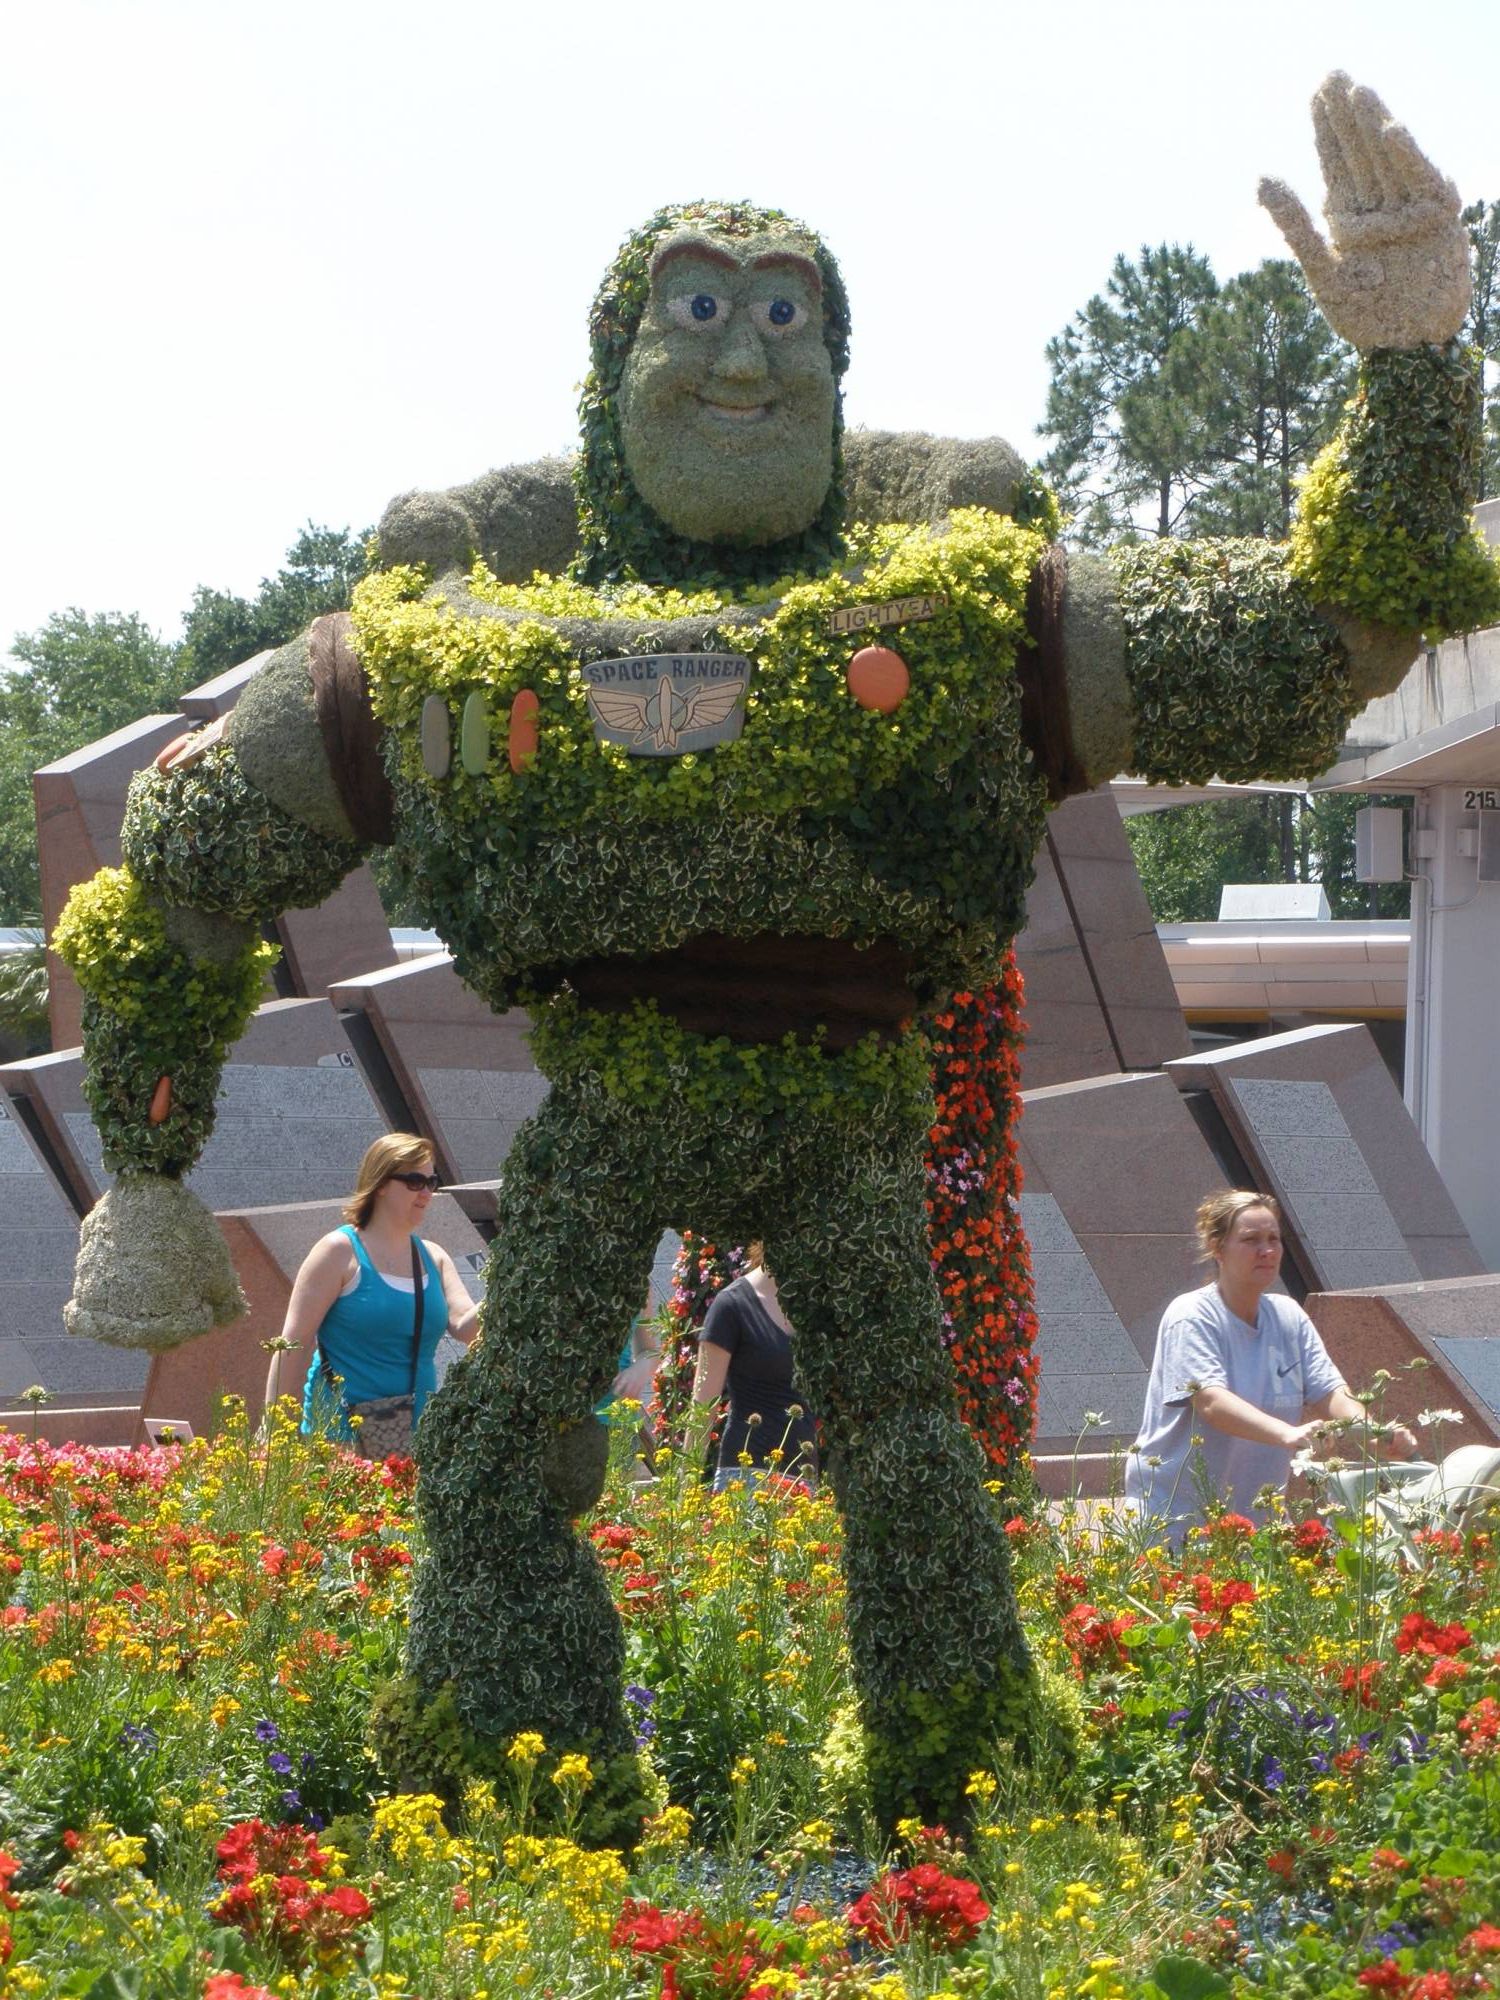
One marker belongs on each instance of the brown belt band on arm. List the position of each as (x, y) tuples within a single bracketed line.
[(1046, 723), (351, 733)]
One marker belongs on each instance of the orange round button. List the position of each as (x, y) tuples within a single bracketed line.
[(878, 679), (525, 714)]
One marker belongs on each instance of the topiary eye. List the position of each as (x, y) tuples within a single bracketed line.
[(697, 309), (777, 316)]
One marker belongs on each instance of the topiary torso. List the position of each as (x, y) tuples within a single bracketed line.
[(907, 837)]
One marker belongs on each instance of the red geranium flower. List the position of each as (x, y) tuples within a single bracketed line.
[(1360, 1681), (1480, 1728), (919, 1902), (1419, 1634), (1482, 1942), (1387, 1977), (1431, 1986), (1444, 1672)]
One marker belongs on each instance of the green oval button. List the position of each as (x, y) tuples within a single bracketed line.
[(437, 737), (474, 734)]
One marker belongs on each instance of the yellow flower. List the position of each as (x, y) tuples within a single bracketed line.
[(479, 1798), (574, 1769), (55, 1672), (411, 1825), (981, 1785), (743, 1772), (526, 1748), (668, 1830)]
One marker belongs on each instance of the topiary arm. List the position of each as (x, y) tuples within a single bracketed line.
[(1244, 660), (1384, 534), (168, 952)]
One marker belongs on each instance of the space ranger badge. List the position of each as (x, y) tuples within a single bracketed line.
[(666, 704)]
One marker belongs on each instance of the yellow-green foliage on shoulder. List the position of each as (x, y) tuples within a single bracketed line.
[(1383, 529), (150, 1011)]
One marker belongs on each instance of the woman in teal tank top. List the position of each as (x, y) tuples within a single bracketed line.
[(354, 1300)]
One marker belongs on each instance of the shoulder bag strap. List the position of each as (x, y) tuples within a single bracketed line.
[(419, 1284), (349, 1231)]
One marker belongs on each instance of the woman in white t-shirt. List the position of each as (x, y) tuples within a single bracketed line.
[(1240, 1379)]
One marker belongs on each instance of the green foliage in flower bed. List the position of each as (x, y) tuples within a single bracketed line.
[(151, 1010), (1290, 1748), (1383, 528)]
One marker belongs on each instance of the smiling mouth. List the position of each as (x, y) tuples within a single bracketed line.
[(736, 413)]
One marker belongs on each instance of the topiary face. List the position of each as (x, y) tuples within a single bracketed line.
[(699, 494), (728, 398)]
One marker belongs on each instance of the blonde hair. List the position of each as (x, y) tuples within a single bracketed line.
[(395, 1153), (1218, 1213)]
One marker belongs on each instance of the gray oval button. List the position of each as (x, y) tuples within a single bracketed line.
[(437, 737), (474, 734)]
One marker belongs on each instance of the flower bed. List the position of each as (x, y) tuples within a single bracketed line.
[(1286, 1776)]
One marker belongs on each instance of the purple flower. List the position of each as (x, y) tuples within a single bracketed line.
[(643, 1697), (307, 1762), (1273, 1777), (1395, 1939), (292, 1801), (317, 1822), (280, 1763), (138, 1736), (266, 1731)]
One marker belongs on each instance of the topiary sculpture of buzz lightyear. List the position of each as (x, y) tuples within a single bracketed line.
[(726, 808)]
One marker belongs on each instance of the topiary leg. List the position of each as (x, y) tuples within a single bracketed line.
[(939, 1660), (512, 1627)]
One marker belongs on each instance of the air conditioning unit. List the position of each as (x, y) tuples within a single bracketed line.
[(1378, 849)]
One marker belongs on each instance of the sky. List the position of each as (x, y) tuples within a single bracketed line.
[(270, 262)]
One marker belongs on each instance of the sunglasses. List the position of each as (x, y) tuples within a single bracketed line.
[(419, 1183)]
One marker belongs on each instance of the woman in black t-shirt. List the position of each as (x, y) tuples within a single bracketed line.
[(745, 1348)]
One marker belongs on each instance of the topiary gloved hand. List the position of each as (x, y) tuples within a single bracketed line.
[(153, 1268), (1397, 271)]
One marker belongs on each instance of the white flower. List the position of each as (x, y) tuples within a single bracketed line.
[(1440, 1417)]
